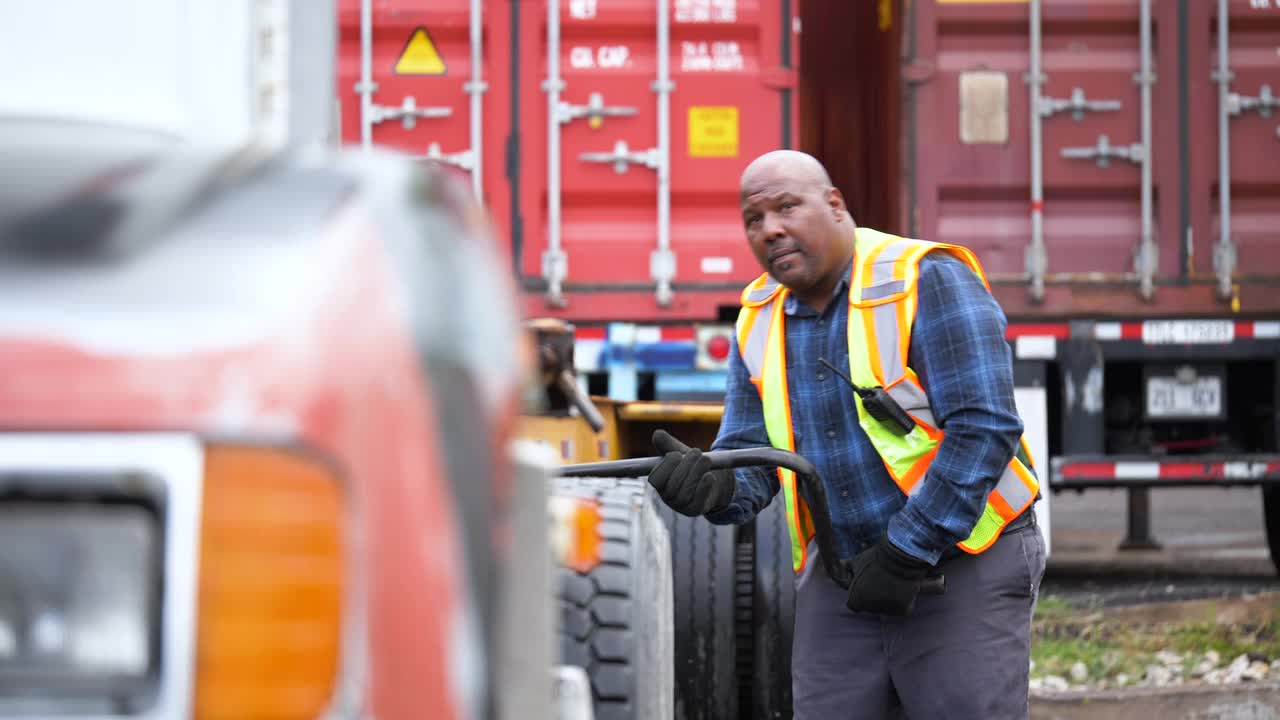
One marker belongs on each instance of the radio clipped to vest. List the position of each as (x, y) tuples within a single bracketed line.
[(879, 404)]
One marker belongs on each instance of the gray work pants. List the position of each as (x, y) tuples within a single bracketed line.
[(964, 654)]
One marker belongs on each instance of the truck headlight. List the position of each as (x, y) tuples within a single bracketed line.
[(79, 585)]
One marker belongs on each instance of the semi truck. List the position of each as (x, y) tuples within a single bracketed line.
[(249, 467), (1112, 164)]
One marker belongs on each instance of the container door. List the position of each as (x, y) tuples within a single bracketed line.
[(1045, 138), (647, 112), (428, 79), (1235, 124)]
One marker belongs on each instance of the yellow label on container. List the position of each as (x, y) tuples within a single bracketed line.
[(713, 131), (420, 56)]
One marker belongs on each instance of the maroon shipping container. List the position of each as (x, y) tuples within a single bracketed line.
[(973, 142)]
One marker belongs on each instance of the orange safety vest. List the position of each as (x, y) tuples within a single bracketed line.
[(882, 308)]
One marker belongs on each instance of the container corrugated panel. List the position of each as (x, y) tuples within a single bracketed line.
[(726, 106), (972, 169)]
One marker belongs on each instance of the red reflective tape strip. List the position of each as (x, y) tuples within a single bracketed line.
[(1037, 206), (1061, 331), (677, 332), (1170, 471), (1131, 331), (590, 333), (1244, 329), (1089, 470), (1190, 471)]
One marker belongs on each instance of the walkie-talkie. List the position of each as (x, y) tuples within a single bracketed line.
[(879, 404)]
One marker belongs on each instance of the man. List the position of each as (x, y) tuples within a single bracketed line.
[(949, 490)]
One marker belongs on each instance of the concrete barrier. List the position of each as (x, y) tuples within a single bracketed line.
[(1245, 701)]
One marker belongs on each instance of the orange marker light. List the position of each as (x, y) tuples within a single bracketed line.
[(576, 533), (271, 581)]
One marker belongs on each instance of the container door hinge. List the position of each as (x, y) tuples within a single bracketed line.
[(662, 268), (555, 268), (1224, 266), (1146, 261)]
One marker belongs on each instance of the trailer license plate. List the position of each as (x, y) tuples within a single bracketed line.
[(1169, 398), (1184, 332)]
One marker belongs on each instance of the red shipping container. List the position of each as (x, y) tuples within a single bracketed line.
[(920, 110)]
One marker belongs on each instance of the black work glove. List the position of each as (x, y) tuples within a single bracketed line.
[(685, 481), (886, 580)]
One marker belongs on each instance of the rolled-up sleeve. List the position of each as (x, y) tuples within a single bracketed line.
[(959, 352), (743, 427)]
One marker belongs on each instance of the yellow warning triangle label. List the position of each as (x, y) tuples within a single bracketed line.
[(420, 56)]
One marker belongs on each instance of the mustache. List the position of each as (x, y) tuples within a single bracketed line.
[(779, 252)]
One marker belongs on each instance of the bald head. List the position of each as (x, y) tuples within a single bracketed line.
[(796, 169), (796, 223)]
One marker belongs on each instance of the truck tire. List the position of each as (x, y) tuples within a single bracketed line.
[(703, 566), (744, 571), (1271, 517), (773, 614), (616, 621)]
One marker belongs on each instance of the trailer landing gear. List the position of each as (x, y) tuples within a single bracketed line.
[(1138, 528)]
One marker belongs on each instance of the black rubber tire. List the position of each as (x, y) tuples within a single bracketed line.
[(744, 629), (616, 621), (1271, 518), (774, 612), (703, 564)]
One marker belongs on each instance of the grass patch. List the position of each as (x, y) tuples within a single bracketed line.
[(1052, 607), (1103, 658), (1063, 636), (1228, 640)]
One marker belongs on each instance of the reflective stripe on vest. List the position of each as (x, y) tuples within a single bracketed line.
[(882, 299), (768, 370)]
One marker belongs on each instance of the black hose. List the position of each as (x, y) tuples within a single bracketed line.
[(810, 486)]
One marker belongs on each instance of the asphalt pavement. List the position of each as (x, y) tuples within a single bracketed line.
[(1211, 542)]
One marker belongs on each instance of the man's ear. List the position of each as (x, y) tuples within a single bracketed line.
[(835, 201)]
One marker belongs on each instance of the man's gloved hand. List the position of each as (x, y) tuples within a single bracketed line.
[(886, 580), (685, 481)]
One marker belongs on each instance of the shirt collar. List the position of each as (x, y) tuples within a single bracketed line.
[(793, 306)]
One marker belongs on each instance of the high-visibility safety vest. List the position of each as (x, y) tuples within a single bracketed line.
[(882, 308)]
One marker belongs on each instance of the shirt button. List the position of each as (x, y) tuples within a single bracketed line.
[(831, 433), (844, 493), (822, 376)]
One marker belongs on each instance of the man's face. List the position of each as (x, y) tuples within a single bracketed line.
[(792, 227)]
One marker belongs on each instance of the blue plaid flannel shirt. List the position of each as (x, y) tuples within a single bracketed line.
[(958, 350)]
